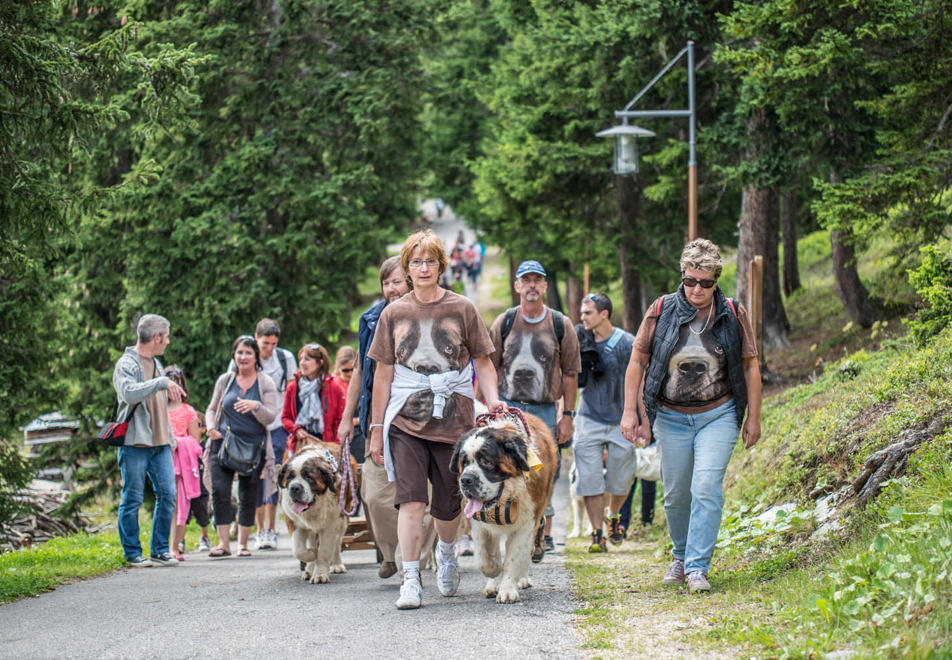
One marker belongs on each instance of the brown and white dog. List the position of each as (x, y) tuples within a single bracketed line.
[(309, 484), (493, 466)]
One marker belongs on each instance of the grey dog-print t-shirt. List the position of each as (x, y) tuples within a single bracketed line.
[(431, 338)]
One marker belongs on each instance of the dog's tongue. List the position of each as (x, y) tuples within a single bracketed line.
[(472, 507), (298, 507)]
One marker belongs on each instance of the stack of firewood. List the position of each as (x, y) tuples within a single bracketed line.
[(40, 521)]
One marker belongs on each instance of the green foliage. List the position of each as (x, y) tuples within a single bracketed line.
[(933, 282), (868, 123), (15, 474), (57, 94)]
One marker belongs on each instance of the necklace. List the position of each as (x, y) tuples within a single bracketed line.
[(710, 311)]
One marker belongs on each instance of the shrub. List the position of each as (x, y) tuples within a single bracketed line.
[(933, 282), (15, 474)]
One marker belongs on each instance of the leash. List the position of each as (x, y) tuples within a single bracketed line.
[(510, 413), (347, 480)]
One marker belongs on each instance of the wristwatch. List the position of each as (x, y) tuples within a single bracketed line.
[(568, 413)]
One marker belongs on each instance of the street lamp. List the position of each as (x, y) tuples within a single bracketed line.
[(626, 146), (626, 152)]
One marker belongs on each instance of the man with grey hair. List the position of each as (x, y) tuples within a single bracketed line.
[(143, 395)]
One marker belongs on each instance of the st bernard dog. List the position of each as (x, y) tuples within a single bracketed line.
[(506, 497), (309, 485)]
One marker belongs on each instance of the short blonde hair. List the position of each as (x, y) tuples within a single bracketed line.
[(430, 243), (701, 254)]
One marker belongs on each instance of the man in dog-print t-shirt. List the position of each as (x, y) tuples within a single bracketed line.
[(534, 367)]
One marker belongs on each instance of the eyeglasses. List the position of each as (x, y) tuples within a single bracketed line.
[(418, 263), (347, 371), (174, 372), (690, 283), (313, 347)]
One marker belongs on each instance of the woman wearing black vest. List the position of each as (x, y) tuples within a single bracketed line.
[(693, 374)]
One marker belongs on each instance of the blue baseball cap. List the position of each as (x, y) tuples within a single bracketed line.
[(530, 266)]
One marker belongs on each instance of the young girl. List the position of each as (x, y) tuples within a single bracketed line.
[(187, 431), (344, 363)]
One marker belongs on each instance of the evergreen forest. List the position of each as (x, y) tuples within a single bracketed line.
[(219, 161)]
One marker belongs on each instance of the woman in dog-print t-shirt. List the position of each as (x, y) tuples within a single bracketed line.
[(432, 338)]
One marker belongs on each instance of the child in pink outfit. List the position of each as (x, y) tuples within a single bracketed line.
[(187, 433)]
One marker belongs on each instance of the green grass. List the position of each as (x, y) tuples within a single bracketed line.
[(33, 571), (882, 585)]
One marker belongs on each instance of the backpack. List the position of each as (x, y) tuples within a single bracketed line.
[(284, 369), (558, 322)]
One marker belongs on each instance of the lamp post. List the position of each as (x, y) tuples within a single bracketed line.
[(626, 152)]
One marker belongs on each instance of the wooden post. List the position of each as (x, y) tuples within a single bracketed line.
[(755, 302), (585, 282)]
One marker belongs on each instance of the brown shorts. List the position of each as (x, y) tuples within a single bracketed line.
[(415, 461)]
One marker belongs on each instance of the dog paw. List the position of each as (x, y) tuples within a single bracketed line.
[(492, 588), (508, 596), (524, 583), (320, 578), (338, 568)]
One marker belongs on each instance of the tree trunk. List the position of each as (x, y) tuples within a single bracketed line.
[(760, 235), (629, 208), (573, 298), (788, 222), (553, 297), (861, 309)]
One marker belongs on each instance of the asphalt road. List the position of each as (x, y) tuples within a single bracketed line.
[(259, 607)]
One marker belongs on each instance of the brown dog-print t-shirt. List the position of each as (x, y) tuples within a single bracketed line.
[(531, 364), (431, 338)]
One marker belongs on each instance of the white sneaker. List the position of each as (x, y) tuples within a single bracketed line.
[(264, 540), (465, 546), (274, 540), (447, 573), (256, 540), (411, 594), (204, 545)]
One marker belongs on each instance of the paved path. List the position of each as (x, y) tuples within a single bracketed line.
[(258, 607)]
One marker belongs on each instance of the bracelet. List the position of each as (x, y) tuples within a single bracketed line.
[(373, 425)]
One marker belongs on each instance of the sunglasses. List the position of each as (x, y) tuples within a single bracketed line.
[(347, 371), (312, 347), (690, 283)]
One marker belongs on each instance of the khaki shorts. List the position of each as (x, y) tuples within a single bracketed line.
[(596, 474)]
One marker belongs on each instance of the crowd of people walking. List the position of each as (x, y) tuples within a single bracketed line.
[(688, 379)]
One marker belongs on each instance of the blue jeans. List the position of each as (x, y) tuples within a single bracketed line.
[(545, 412), (695, 450), (135, 463)]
